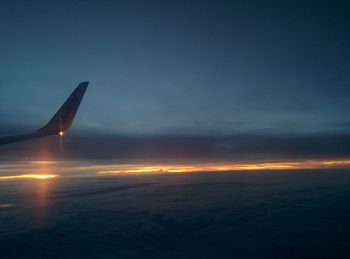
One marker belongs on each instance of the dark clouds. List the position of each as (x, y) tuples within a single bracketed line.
[(186, 147), (200, 215)]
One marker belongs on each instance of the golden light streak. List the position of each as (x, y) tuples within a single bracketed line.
[(45, 169), (29, 176), (44, 162), (221, 167)]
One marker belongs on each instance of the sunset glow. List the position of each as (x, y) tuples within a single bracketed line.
[(46, 169), (29, 176), (220, 167)]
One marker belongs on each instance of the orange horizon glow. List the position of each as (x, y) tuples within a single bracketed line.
[(44, 162), (46, 169), (29, 176), (222, 167)]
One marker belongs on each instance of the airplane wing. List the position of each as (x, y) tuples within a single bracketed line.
[(59, 123)]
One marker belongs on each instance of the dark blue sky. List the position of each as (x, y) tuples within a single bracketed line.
[(178, 67)]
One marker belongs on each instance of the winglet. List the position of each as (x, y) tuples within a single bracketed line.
[(63, 118)]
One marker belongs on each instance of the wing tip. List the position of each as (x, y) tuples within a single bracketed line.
[(83, 84), (63, 118)]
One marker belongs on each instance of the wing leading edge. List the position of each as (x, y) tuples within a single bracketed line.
[(59, 123)]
